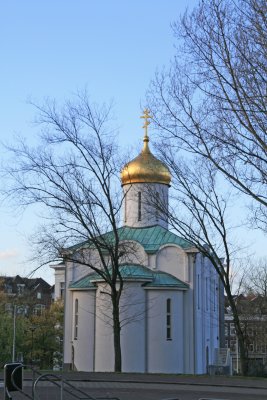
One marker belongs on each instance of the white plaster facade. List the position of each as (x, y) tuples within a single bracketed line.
[(170, 314), (145, 347), (139, 206), (59, 273)]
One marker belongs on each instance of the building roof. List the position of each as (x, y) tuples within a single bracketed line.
[(83, 283), (134, 272), (145, 168), (58, 266), (129, 272), (163, 279), (151, 238), (31, 291), (29, 283)]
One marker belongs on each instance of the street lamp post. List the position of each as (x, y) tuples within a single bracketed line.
[(16, 308), (32, 329), (237, 356), (14, 334)]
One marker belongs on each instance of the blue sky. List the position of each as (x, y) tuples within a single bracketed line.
[(52, 49)]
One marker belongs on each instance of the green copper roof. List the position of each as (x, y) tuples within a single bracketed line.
[(134, 272), (83, 283), (163, 279), (151, 238), (129, 271)]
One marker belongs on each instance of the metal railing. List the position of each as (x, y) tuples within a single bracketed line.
[(222, 362), (11, 384)]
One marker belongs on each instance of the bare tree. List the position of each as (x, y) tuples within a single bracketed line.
[(73, 173), (251, 304), (212, 100), (254, 311), (198, 211), (256, 278)]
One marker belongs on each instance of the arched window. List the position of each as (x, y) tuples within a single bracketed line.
[(76, 316), (168, 320)]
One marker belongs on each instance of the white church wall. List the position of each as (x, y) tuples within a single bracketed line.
[(134, 253), (173, 260), (165, 355), (143, 340), (139, 204), (189, 320), (200, 316), (133, 313), (59, 281), (104, 347), (152, 261), (214, 311), (83, 329), (73, 272), (206, 313), (68, 316), (79, 270)]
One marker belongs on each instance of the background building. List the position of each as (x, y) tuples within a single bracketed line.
[(253, 314), (34, 294), (31, 323)]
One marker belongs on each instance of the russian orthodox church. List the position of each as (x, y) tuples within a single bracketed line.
[(171, 308)]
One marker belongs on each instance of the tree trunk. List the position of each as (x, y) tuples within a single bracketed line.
[(116, 333), (240, 334)]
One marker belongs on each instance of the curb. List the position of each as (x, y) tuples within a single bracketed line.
[(162, 383)]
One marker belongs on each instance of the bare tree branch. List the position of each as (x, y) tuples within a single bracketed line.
[(212, 101), (74, 174)]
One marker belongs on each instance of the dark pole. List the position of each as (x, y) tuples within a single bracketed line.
[(32, 329), (32, 346)]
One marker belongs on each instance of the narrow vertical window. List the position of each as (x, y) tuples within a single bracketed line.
[(76, 316), (62, 289), (168, 320), (139, 207), (157, 206), (125, 208)]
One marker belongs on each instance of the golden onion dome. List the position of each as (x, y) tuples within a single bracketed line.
[(145, 168)]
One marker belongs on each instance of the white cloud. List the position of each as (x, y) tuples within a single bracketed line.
[(6, 254)]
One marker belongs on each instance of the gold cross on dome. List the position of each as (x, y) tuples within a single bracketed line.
[(146, 116)]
